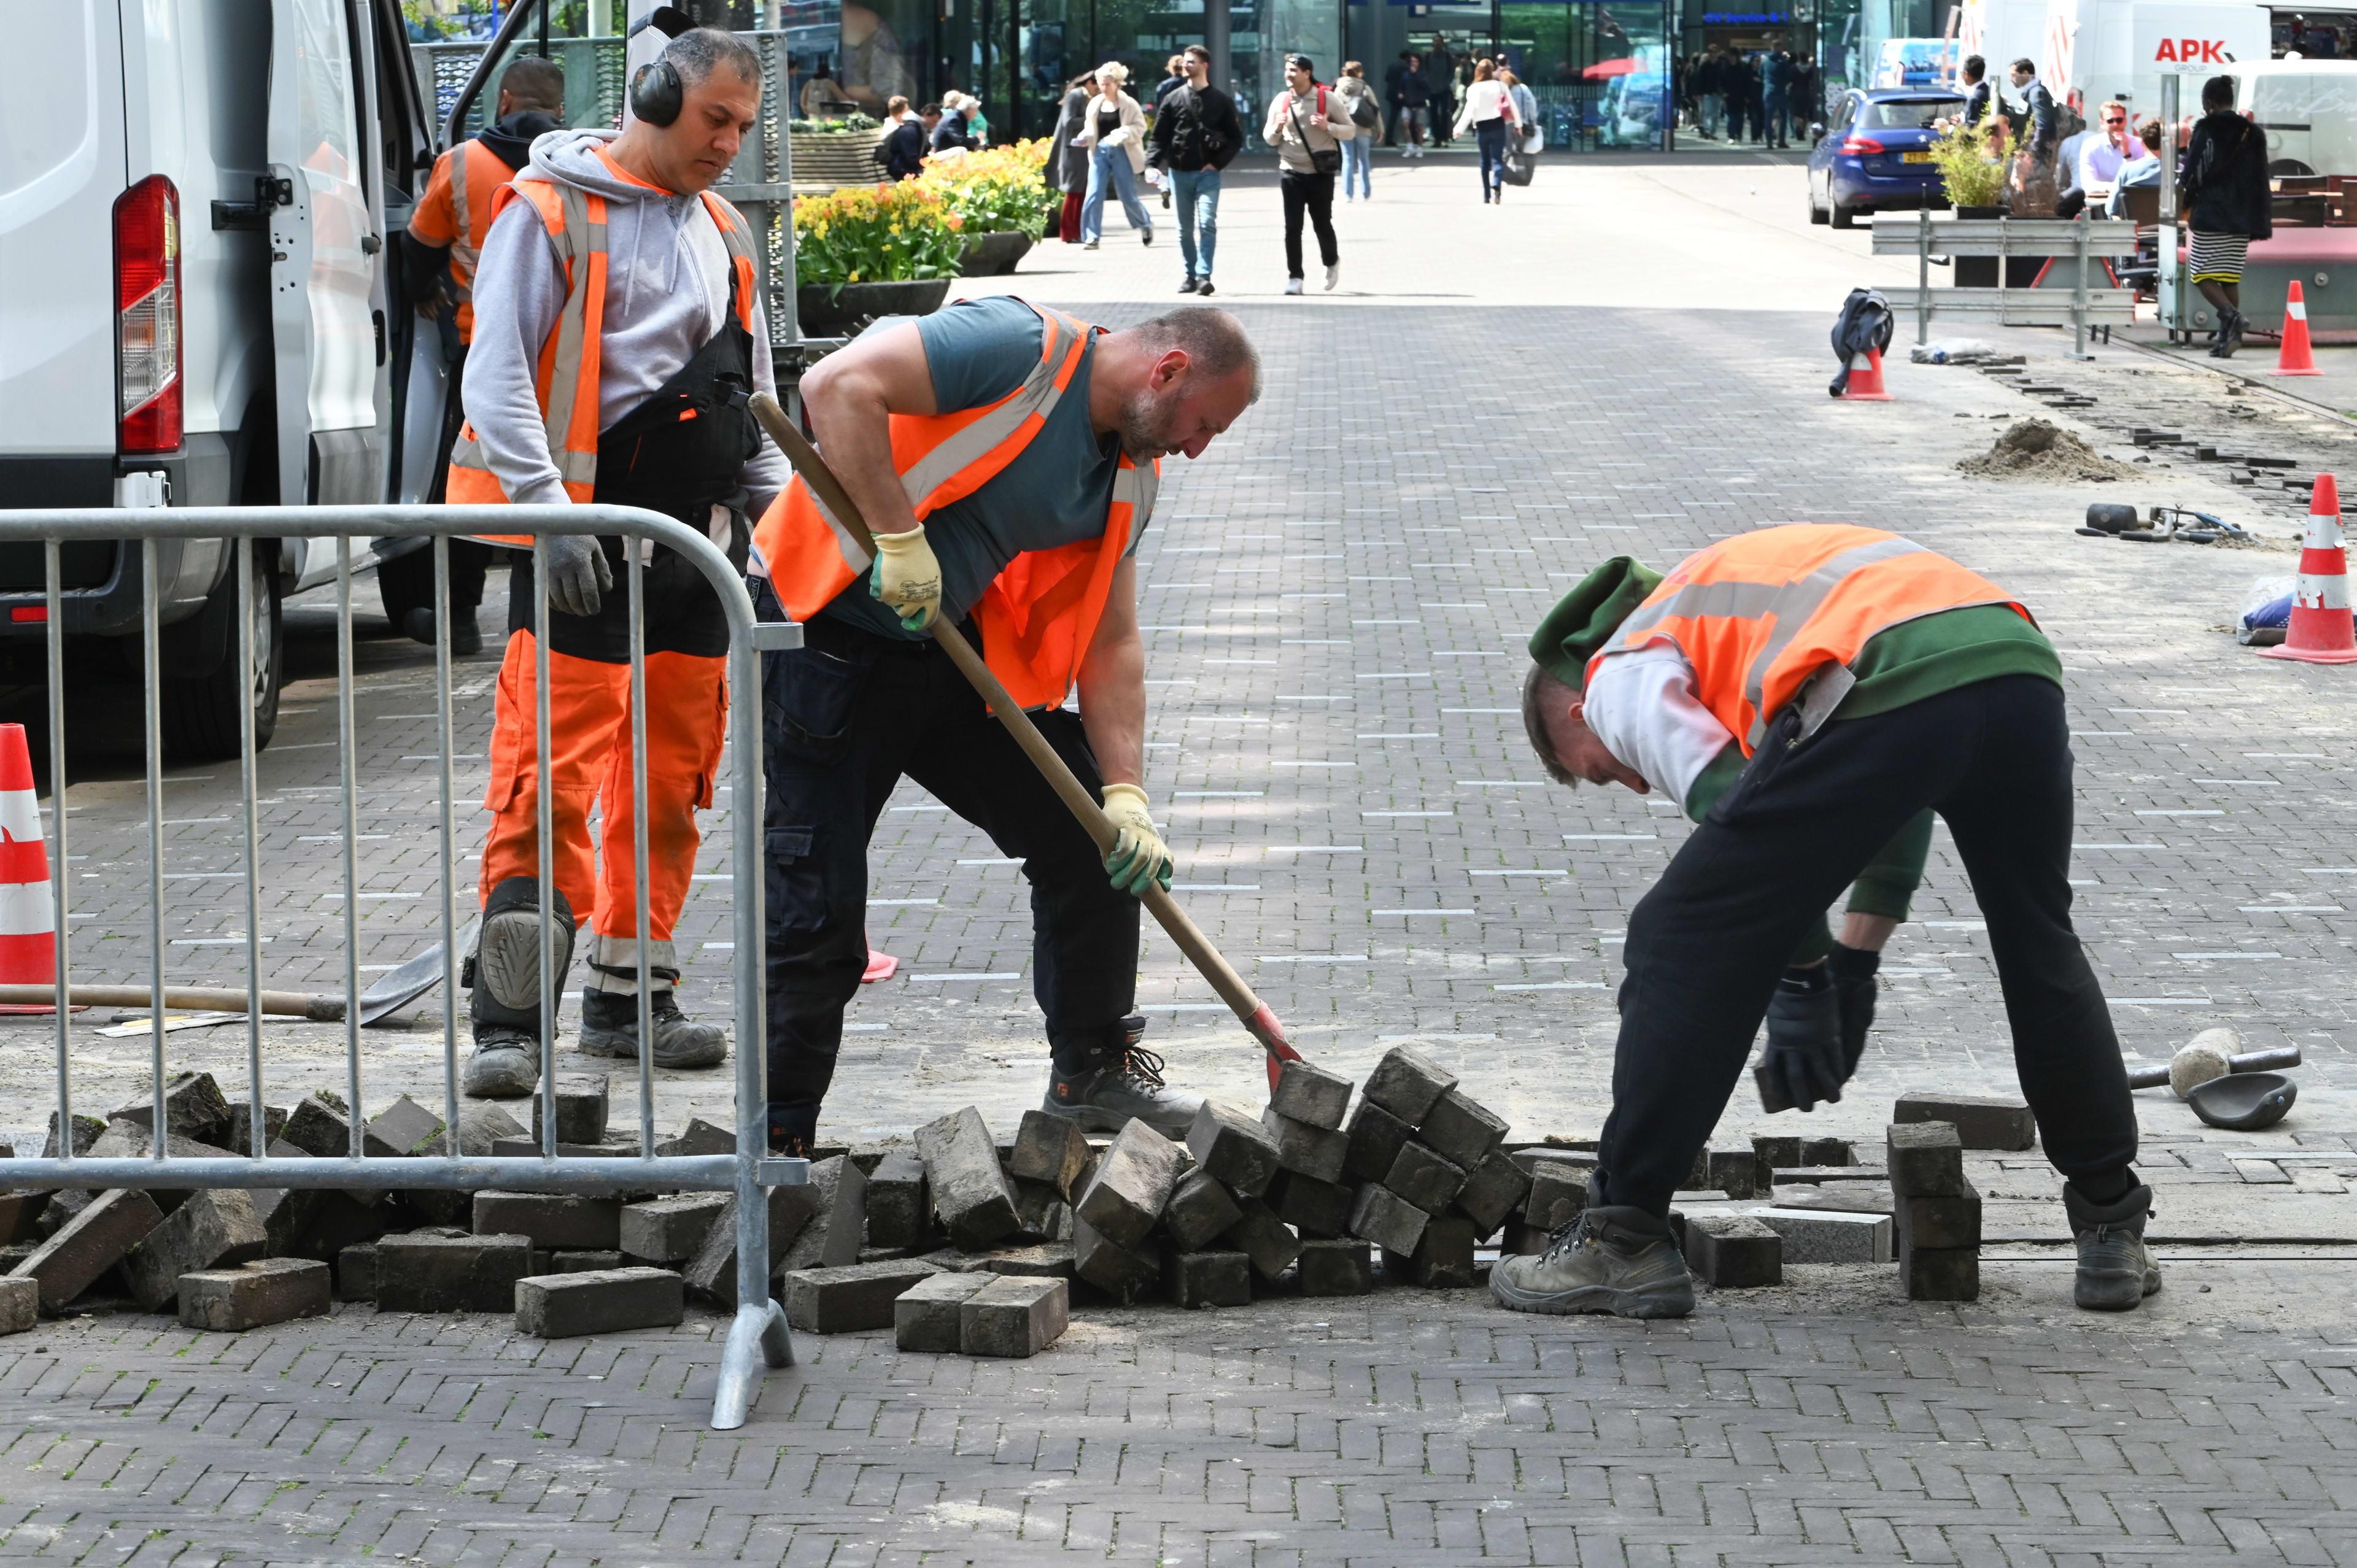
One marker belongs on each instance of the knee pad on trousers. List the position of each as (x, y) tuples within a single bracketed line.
[(503, 973)]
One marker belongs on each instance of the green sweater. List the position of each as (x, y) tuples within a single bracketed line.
[(1906, 663)]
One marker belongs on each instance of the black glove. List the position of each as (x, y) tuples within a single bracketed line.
[(1803, 1063), (1852, 972)]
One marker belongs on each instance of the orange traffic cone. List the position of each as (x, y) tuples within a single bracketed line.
[(2321, 629), (2296, 359), (28, 917), (1865, 379)]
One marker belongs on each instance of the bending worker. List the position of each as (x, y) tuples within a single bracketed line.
[(1005, 457), (445, 235), (618, 337), (1865, 678)]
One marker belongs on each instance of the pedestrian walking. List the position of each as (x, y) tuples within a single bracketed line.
[(1840, 680), (1414, 105), (612, 365), (445, 239), (1755, 98), (1392, 74), (2224, 183), (1710, 94), (1489, 113), (2035, 192), (1196, 135), (1173, 76), (1526, 113), (1979, 91), (1068, 162), (1309, 142), (1358, 97), (904, 142), (1113, 132), (1440, 87), (1006, 458), (1777, 73)]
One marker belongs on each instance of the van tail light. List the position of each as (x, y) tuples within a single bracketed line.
[(148, 317), (1856, 143)]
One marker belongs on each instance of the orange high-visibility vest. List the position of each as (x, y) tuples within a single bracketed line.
[(1758, 615), (569, 359), (1040, 614), (457, 211)]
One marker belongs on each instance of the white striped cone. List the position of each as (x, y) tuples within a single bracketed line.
[(2322, 630), (28, 917)]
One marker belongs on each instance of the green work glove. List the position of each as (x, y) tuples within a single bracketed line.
[(907, 577), (1139, 855)]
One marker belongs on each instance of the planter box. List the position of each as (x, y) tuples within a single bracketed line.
[(851, 310), (995, 254), (837, 157)]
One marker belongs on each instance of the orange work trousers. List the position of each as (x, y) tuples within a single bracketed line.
[(589, 736)]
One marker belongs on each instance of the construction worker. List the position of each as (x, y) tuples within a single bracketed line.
[(445, 234), (1005, 456), (1864, 679), (618, 337)]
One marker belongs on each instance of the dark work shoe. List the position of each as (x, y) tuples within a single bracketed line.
[(2116, 1269), (1619, 1260), (793, 1130), (465, 633), (1107, 1097), (1187, 285), (610, 1027), (505, 1066), (1204, 286)]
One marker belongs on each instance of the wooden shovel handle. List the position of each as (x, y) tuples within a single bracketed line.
[(1249, 1008)]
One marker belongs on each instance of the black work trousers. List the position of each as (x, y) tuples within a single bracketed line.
[(1313, 194), (1705, 945), (844, 717)]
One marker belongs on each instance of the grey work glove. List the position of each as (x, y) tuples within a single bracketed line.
[(1803, 1063), (578, 572)]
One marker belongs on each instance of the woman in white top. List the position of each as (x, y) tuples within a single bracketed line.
[(1489, 112), (1113, 129)]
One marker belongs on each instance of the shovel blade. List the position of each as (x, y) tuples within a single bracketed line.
[(411, 980)]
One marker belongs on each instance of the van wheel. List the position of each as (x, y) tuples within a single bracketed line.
[(2292, 167), (201, 714), (1844, 216)]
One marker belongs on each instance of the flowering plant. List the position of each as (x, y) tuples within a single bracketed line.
[(902, 232), (1972, 160), (1000, 190)]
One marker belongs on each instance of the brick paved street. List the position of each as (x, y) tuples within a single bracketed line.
[(1630, 358)]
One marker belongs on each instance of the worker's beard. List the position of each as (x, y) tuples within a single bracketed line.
[(1149, 426)]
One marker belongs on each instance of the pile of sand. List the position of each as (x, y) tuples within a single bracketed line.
[(2033, 449)]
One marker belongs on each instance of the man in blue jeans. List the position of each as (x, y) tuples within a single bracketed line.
[(1196, 133)]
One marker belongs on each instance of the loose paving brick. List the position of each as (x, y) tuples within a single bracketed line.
[(831, 1238), (89, 1244), (1049, 1260), (418, 1272), (1013, 1317), (1311, 1094), (356, 1272), (561, 1262), (1312, 1207), (1125, 1273), (1443, 1258), (1941, 1274), (1461, 1129), (712, 1272), (971, 1197), (20, 1213), (925, 1316), (1260, 1236), (239, 1136), (1200, 1207), (1207, 1279), (551, 1219), (583, 1103), (87, 1130), (1734, 1171), (1425, 1179), (1953, 1220), (699, 1137), (193, 1108), (254, 1295), (1315, 1152), (1132, 1186), (1052, 1150), (1041, 1212), (21, 1303), (669, 1229), (1406, 1083), (1926, 1159), (603, 1301), (899, 1206), (1232, 1146), (1389, 1220), (1376, 1139), (1493, 1191), (1981, 1120), (213, 1230), (1734, 1251), (1341, 1267), (407, 1128), (1830, 1238)]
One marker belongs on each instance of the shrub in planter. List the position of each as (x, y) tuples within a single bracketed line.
[(884, 233), (1000, 190), (1973, 161)]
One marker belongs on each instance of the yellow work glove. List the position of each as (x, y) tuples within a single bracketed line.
[(907, 577), (1139, 855)]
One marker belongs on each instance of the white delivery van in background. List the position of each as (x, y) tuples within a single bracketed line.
[(2097, 50), (2309, 110), (200, 306)]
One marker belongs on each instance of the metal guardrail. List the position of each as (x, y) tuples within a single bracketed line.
[(2081, 237), (759, 1337)]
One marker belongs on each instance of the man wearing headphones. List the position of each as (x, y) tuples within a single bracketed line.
[(618, 337)]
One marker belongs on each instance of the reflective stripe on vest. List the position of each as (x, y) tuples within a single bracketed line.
[(570, 359), (1037, 616), (1758, 615)]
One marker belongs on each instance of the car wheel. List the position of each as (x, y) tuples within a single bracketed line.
[(1843, 216), (1816, 213)]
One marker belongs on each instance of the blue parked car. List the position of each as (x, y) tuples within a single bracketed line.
[(1876, 154)]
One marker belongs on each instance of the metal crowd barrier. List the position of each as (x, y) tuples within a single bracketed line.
[(759, 1336)]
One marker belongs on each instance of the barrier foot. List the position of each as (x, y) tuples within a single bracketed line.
[(759, 1339)]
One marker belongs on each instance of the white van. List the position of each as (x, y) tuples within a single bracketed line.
[(2096, 50), (2307, 108), (200, 306)]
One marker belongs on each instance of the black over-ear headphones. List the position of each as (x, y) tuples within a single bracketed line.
[(656, 91)]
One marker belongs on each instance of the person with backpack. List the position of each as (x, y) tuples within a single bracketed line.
[(1307, 126), (1358, 96), (1196, 135), (2228, 204)]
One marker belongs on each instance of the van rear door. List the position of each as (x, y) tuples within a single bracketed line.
[(326, 294)]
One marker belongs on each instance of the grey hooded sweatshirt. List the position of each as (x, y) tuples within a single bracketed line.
[(666, 294)]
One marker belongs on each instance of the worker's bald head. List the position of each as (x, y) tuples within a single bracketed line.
[(1175, 382), (1554, 716)]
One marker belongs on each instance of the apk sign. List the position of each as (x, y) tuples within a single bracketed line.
[(2195, 40)]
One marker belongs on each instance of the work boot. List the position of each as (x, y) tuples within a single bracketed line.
[(505, 1066), (466, 634), (1619, 1260), (793, 1130), (610, 1027), (2115, 1271), (1120, 1085)]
